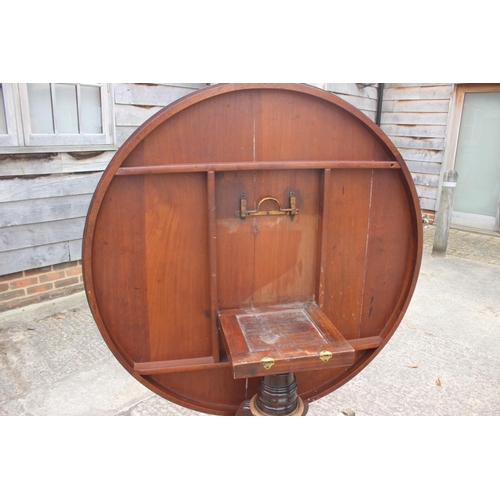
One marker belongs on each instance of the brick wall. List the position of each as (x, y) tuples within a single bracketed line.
[(429, 215), (36, 285)]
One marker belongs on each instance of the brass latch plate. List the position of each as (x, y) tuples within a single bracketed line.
[(267, 362), (325, 356), (243, 213)]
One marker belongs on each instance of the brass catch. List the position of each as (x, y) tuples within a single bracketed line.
[(325, 356), (267, 363), (243, 213)]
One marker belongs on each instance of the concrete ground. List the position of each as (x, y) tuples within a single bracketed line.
[(444, 358)]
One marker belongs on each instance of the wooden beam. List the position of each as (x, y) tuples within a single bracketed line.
[(366, 343), (251, 165), (177, 365), (212, 246), (325, 211)]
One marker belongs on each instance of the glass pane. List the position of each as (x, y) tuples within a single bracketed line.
[(478, 155), (40, 103), (3, 121), (90, 112), (66, 109)]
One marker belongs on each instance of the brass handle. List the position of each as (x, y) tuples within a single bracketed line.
[(243, 213)]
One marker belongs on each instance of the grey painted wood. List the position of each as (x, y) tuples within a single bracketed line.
[(351, 89), (18, 213), (362, 103), (405, 85), (426, 192), (134, 116), (405, 93), (415, 118), (55, 163), (370, 114), (38, 164), (86, 162), (424, 167), (421, 155), (427, 203), (43, 233), (364, 99), (75, 250), (123, 133), (193, 86), (51, 186), (151, 95), (428, 180), (413, 106), (438, 131), (33, 257), (436, 144)]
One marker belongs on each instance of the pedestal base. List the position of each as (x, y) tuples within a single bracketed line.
[(277, 396)]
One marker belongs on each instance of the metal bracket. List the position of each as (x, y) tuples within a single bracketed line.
[(325, 356), (267, 363), (243, 213)]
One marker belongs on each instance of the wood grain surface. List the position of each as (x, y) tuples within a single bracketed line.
[(165, 253)]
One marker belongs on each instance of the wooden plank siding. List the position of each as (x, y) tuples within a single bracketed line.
[(34, 257), (415, 117), (50, 186), (44, 197), (24, 165), (42, 233), (363, 98)]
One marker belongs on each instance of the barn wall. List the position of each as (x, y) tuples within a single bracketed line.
[(415, 117)]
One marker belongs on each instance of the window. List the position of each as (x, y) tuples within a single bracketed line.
[(55, 117), (3, 121), (8, 130)]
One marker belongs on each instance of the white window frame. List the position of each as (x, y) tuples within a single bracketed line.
[(24, 141), (11, 138)]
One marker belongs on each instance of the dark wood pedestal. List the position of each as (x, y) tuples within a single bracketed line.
[(277, 396)]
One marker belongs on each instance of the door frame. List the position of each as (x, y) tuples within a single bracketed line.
[(458, 218)]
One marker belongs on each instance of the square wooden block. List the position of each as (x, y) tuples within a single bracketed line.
[(282, 339)]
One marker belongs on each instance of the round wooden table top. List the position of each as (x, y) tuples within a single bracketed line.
[(233, 208)]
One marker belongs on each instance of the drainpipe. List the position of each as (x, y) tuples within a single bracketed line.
[(379, 103)]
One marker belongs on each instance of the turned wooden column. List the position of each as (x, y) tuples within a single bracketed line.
[(277, 396)]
